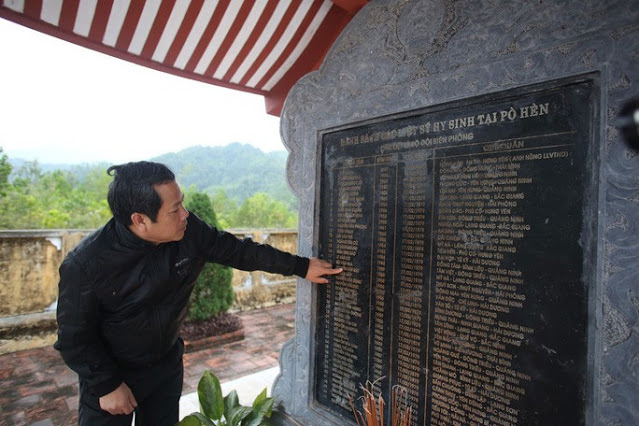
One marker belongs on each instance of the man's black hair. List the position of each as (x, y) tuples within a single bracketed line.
[(132, 189)]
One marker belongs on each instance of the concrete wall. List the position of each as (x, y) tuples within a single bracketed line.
[(29, 262), (259, 289)]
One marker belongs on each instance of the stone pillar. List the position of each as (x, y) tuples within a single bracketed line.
[(399, 56)]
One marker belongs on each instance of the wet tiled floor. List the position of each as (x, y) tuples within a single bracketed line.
[(39, 390)]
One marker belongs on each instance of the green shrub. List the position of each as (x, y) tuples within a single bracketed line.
[(213, 293)]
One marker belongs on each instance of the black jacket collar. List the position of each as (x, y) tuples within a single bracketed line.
[(129, 239)]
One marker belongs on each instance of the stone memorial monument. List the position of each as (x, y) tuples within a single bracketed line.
[(461, 161)]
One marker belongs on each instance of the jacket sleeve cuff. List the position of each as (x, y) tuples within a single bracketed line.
[(106, 387), (301, 266)]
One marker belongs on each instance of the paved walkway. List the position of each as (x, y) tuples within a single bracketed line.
[(39, 390)]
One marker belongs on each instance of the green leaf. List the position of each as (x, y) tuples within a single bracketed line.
[(265, 407), (189, 421), (195, 419), (253, 420), (260, 398), (262, 407), (231, 401), (210, 395), (205, 421), (238, 414)]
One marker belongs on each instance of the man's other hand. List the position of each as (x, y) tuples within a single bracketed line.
[(120, 401), (317, 268)]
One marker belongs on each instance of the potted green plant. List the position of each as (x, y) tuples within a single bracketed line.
[(218, 410)]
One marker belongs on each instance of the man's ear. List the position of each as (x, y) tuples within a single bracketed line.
[(139, 221)]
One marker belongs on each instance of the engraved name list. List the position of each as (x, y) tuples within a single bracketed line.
[(459, 231)]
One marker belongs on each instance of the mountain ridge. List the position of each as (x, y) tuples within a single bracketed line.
[(241, 170)]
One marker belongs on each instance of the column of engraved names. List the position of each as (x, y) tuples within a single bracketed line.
[(347, 313), (382, 271), (478, 225), (327, 308), (411, 294)]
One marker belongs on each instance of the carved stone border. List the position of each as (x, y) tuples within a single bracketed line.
[(398, 55)]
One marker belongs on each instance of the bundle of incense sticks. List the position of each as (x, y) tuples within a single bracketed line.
[(401, 412)]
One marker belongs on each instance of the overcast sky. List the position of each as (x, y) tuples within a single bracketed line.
[(62, 103)]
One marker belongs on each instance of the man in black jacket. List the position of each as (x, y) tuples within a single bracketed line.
[(124, 291)]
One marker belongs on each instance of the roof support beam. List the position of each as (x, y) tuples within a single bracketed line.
[(200, 39), (350, 6)]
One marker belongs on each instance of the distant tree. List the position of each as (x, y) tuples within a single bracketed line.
[(5, 171), (87, 202), (34, 199), (27, 175), (96, 182), (225, 208), (260, 210), (19, 206), (19, 210), (213, 293)]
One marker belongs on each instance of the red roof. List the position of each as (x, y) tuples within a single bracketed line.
[(257, 46)]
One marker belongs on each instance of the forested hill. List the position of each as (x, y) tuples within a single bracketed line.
[(240, 170), (246, 186)]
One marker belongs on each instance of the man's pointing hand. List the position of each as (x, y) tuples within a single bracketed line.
[(318, 268)]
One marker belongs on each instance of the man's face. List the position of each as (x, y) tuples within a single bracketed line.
[(170, 223)]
